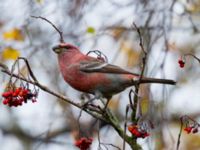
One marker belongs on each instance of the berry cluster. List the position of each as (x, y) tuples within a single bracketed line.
[(181, 63), (191, 125), (83, 143), (137, 131), (18, 96), (190, 129)]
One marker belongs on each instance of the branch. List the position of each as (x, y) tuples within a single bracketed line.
[(46, 89), (141, 74), (179, 135), (60, 32), (195, 57), (29, 68), (106, 115)]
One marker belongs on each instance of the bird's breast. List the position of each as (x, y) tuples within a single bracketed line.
[(85, 82)]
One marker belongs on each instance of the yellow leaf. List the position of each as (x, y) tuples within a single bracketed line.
[(39, 1), (133, 56), (10, 53), (193, 7), (14, 34), (117, 32), (113, 104), (144, 105), (90, 30)]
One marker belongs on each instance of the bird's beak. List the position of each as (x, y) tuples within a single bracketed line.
[(56, 49)]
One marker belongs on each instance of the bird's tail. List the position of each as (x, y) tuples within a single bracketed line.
[(159, 81)]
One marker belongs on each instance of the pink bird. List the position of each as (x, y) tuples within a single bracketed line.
[(95, 76)]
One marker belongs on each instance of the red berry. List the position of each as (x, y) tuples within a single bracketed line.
[(181, 63), (7, 94), (83, 143), (188, 129), (18, 90), (195, 130), (146, 134), (21, 99), (5, 101), (34, 100)]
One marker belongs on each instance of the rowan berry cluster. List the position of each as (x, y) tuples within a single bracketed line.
[(18, 96), (83, 143), (138, 131), (191, 129), (191, 126)]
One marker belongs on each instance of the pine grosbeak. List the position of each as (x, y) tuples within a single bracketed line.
[(95, 76)]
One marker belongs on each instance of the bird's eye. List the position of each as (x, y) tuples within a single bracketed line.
[(67, 47)]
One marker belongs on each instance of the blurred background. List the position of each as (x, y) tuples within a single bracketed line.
[(169, 29)]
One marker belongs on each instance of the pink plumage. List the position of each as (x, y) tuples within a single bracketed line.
[(92, 75)]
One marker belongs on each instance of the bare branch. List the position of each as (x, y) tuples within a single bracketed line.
[(29, 68), (60, 32), (140, 36), (179, 135), (3, 66), (61, 97), (195, 57), (106, 115), (142, 71)]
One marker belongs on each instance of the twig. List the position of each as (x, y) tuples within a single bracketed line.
[(125, 126), (195, 57), (3, 66), (140, 36), (61, 97), (130, 98), (142, 71), (29, 68), (105, 116), (60, 32), (98, 137), (179, 135), (110, 144), (99, 54)]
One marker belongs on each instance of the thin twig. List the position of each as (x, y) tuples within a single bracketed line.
[(60, 32), (3, 66), (142, 71), (29, 68), (98, 137), (130, 98), (106, 116), (110, 144), (195, 57), (125, 126), (179, 135), (140, 37), (61, 97)]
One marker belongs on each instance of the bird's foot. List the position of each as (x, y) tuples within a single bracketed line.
[(88, 102), (105, 105)]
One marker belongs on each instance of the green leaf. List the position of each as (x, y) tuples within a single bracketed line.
[(91, 30)]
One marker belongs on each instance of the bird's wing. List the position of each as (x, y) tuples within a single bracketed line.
[(91, 66)]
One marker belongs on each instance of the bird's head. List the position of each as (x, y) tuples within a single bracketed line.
[(64, 47)]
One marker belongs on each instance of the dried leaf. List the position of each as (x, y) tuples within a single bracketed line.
[(172, 46), (117, 32), (10, 53), (133, 56), (14, 34)]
